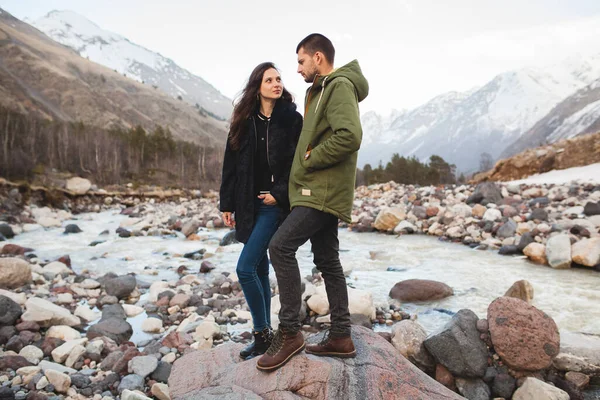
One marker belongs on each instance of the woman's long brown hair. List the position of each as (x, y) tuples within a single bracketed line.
[(248, 102)]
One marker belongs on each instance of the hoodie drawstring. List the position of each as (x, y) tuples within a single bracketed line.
[(321, 95)]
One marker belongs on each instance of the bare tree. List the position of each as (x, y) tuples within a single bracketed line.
[(486, 162)]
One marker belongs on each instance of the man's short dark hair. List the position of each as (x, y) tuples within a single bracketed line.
[(317, 42)]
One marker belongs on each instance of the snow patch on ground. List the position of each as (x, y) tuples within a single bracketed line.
[(588, 173)]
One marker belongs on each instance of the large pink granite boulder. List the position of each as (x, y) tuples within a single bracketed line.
[(378, 372), (524, 337)]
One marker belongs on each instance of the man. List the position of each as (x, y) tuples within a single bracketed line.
[(321, 190)]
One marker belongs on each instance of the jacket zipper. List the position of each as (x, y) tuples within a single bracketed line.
[(307, 100), (321, 95), (269, 161), (255, 134), (256, 145)]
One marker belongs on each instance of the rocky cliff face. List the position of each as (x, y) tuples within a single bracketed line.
[(574, 152)]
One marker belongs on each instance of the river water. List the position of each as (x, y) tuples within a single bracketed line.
[(477, 277)]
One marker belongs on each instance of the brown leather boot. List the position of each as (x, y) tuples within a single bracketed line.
[(333, 346), (285, 345)]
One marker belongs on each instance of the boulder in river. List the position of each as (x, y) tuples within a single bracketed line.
[(533, 388), (46, 314), (121, 286), (473, 389), (388, 218), (190, 227), (507, 230), (14, 272), (536, 252), (408, 337), (420, 290), (206, 267), (525, 240), (458, 346), (9, 311), (509, 250), (228, 239), (525, 338), (14, 250), (522, 290), (72, 228), (590, 208), (359, 302), (378, 372), (558, 251), (405, 227), (586, 252), (6, 231), (117, 329)]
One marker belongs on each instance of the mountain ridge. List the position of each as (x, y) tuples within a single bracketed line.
[(135, 61), (461, 126), (578, 114), (51, 81)]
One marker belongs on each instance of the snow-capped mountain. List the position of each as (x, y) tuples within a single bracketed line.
[(578, 114), (461, 126), (134, 61), (46, 80), (375, 124)]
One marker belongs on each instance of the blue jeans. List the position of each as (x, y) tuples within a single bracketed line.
[(253, 265)]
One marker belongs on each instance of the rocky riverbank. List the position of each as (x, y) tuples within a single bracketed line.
[(67, 335), (67, 332), (555, 225), (513, 354)]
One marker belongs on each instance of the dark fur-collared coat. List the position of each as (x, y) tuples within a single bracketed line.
[(237, 192)]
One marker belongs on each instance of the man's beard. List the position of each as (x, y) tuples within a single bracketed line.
[(310, 78)]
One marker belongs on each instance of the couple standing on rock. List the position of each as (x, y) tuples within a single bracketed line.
[(286, 183)]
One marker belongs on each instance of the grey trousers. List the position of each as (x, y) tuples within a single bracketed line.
[(321, 228)]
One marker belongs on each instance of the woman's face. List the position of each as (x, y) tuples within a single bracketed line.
[(271, 87)]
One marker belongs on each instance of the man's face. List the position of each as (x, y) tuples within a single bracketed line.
[(307, 66)]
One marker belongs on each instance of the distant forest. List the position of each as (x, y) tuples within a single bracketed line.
[(31, 146), (410, 171), (115, 156)]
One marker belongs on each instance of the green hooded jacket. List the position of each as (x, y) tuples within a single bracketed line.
[(324, 177)]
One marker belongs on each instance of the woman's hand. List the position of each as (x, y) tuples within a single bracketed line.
[(228, 219), (268, 199)]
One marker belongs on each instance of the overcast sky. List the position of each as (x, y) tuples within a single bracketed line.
[(410, 50)]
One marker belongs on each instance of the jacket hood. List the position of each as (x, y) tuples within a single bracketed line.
[(353, 73)]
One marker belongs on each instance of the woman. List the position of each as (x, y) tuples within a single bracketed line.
[(258, 157)]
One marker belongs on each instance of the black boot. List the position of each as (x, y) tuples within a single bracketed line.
[(262, 341), (246, 351)]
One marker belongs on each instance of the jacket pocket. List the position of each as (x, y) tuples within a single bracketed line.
[(304, 144)]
